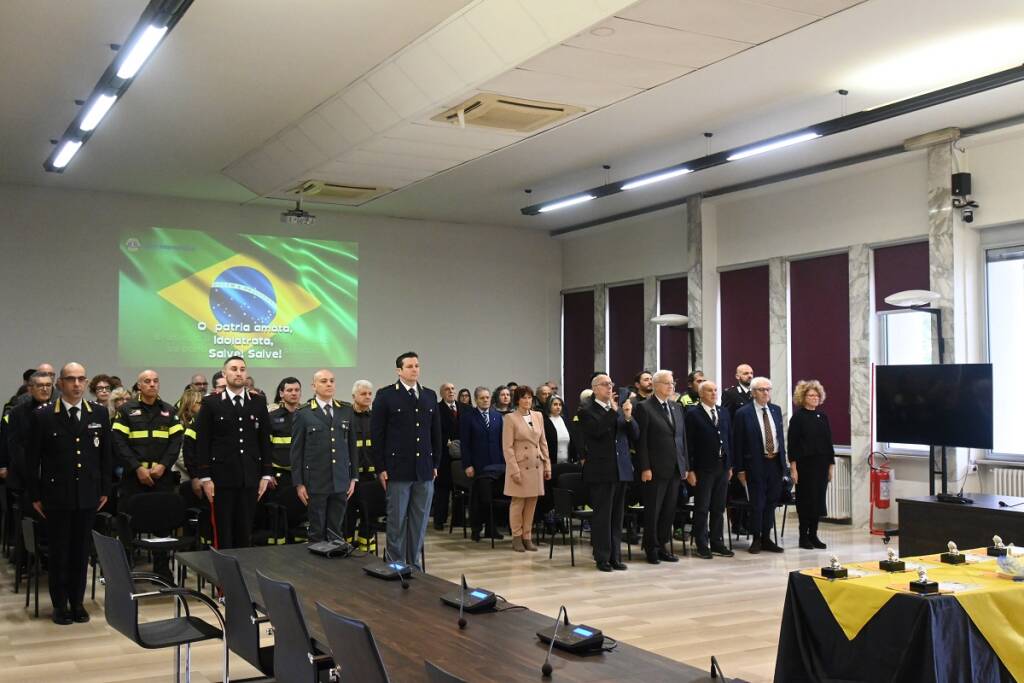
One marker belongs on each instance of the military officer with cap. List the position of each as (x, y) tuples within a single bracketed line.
[(68, 474), (323, 458), (147, 440)]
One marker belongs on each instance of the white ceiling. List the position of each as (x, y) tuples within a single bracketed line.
[(233, 75)]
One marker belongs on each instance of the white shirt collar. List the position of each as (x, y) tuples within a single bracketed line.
[(408, 387), (69, 406), (231, 394), (323, 405), (604, 405)]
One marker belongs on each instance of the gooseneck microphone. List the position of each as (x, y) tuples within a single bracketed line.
[(462, 603), (401, 575), (546, 669)]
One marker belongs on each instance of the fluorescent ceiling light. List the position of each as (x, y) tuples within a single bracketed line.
[(656, 178), (571, 201), (778, 144), (141, 51), (67, 152), (100, 106)]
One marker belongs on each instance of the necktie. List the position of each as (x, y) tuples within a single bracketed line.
[(329, 412), (412, 392), (769, 441), (487, 418), (668, 413), (714, 417), (73, 414), (238, 402)]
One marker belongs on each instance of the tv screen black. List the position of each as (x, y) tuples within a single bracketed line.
[(934, 405)]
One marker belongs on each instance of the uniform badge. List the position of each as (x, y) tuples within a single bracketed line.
[(165, 413), (134, 413), (96, 441)]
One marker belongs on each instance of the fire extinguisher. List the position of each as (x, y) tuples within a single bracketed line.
[(881, 481)]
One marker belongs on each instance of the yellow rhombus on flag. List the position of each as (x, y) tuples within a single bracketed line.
[(192, 294)]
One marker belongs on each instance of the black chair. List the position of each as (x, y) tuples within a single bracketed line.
[(5, 520), (240, 616), (156, 513), (486, 495), (295, 656), (34, 553), (374, 506), (567, 508), (121, 608), (355, 653), (461, 487), (563, 468), (436, 674), (289, 518)]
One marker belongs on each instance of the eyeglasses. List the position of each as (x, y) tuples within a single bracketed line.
[(200, 384), (75, 380), (48, 385), (102, 387), (606, 384), (763, 389)]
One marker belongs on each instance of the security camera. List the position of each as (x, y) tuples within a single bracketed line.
[(966, 206)]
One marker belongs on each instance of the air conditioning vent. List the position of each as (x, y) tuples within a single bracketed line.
[(336, 193), (507, 113)]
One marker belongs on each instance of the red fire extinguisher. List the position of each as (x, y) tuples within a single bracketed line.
[(881, 481)]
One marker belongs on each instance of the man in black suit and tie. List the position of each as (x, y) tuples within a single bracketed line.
[(709, 445), (661, 451), (323, 450), (761, 458), (68, 472), (234, 455), (482, 455), (735, 397), (607, 430), (406, 432), (448, 409)]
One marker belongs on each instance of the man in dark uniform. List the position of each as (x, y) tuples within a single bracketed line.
[(734, 398), (709, 445), (147, 440), (233, 455), (760, 452), (287, 397), (448, 409), (406, 430), (68, 472), (362, 399), (15, 429), (323, 458)]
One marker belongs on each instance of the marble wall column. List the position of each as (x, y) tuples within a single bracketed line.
[(694, 274), (650, 329), (778, 333), (860, 379), (940, 239), (600, 327)]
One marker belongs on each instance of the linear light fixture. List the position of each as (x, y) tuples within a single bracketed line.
[(656, 178), (571, 201), (819, 130), (159, 17)]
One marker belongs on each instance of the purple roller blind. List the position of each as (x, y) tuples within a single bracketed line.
[(675, 341), (819, 324), (577, 345), (904, 266), (744, 321), (625, 332)]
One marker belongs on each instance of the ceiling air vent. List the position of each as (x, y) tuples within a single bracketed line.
[(337, 193), (506, 113)]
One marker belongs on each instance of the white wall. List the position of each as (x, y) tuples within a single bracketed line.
[(479, 303), (994, 161), (652, 244)]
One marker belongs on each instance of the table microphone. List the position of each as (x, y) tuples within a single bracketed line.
[(1004, 504), (546, 669), (462, 603), (401, 576)]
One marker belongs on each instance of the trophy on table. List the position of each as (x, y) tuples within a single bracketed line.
[(923, 585), (954, 556), (997, 549), (893, 563), (834, 570)]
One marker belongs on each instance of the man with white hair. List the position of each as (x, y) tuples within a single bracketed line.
[(362, 399), (760, 451)]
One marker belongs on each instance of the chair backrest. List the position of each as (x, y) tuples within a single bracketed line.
[(562, 501), (573, 481), (243, 634), (372, 499), (485, 488), (353, 648), (292, 645), (562, 468), (121, 611), (436, 674), (459, 478), (155, 512), (28, 534)]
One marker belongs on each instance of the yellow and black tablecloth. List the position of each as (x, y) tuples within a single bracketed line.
[(872, 628)]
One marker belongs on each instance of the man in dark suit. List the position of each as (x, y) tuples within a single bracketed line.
[(758, 438), (323, 449), (234, 455), (68, 472), (606, 431), (709, 445), (15, 429), (482, 455), (661, 451), (735, 397), (448, 409), (406, 432)]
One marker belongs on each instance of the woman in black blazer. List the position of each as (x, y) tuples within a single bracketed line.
[(811, 459)]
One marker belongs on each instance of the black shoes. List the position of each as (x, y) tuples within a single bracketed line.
[(817, 543), (79, 614), (62, 617), (806, 543), (704, 554), (604, 566), (722, 551), (618, 566), (666, 556), (652, 557), (770, 546), (755, 546)]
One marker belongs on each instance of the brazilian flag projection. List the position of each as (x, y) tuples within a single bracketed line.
[(189, 299)]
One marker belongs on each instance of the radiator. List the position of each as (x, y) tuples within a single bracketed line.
[(1008, 481), (839, 496)]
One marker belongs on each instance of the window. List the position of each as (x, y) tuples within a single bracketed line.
[(906, 340), (1005, 276)]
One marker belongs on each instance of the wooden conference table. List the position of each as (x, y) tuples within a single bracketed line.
[(413, 625)]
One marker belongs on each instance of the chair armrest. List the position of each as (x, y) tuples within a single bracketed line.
[(182, 594), (152, 578), (321, 661)]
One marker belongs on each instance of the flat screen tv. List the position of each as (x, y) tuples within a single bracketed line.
[(934, 405)]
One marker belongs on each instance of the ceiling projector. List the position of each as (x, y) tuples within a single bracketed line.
[(298, 216)]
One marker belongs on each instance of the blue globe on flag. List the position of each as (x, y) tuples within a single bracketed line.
[(243, 295)]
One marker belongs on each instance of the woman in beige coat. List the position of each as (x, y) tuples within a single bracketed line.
[(527, 465)]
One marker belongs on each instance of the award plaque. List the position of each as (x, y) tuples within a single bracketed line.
[(834, 570), (997, 549), (954, 556), (923, 585), (892, 563)]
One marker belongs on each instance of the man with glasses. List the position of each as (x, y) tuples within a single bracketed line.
[(200, 384), (760, 451), (14, 430), (68, 474)]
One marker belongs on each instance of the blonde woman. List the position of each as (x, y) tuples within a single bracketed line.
[(811, 458), (188, 407), (527, 465)]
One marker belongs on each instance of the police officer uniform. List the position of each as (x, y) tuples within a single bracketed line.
[(144, 436), (233, 449), (323, 460), (356, 528), (68, 469)]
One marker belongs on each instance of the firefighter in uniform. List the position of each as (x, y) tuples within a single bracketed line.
[(289, 393), (356, 531), (147, 440), (68, 473)]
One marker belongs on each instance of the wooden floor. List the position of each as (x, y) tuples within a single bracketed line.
[(727, 607)]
